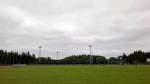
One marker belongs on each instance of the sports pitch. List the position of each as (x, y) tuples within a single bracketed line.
[(78, 74)]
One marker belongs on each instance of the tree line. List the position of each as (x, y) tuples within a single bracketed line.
[(84, 59), (136, 57), (9, 58), (74, 59)]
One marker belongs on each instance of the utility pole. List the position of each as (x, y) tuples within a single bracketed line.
[(19, 59), (90, 53), (1, 59), (108, 61), (13, 60), (5, 59)]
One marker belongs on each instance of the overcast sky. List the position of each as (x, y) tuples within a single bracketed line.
[(69, 26)]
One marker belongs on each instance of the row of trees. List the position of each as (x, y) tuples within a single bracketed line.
[(11, 57), (8, 58), (135, 57), (74, 59), (84, 59)]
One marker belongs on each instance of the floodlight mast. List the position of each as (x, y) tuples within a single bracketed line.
[(57, 54), (40, 47)]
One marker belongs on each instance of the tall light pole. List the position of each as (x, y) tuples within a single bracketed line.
[(40, 47), (90, 53), (57, 54)]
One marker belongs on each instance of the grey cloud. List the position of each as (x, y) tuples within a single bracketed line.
[(112, 27)]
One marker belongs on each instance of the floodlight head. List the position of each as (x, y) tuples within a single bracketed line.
[(40, 46), (90, 45)]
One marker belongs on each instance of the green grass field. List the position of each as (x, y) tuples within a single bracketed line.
[(81, 74)]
